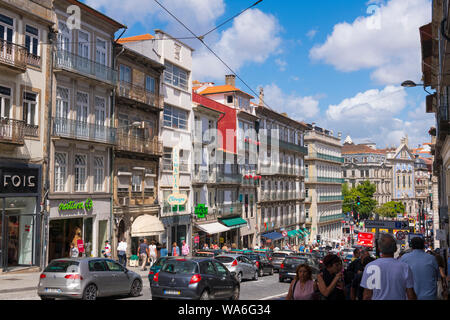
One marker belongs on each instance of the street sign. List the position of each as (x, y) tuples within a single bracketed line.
[(284, 233), (365, 239), (386, 224)]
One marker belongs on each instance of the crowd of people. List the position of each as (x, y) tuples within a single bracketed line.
[(416, 275)]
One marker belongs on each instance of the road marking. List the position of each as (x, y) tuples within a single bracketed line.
[(275, 296)]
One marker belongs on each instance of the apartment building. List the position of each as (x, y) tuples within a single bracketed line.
[(323, 185), (281, 192), (138, 150), (83, 134), (24, 94)]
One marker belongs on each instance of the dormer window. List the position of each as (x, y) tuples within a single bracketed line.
[(229, 99)]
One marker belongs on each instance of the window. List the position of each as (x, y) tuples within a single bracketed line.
[(99, 174), (60, 171), (31, 40), (5, 102), (97, 265), (150, 84), (229, 99), (114, 266), (62, 103), (177, 51), (167, 159), (64, 37), (80, 172), (101, 57), (175, 118), (136, 183), (175, 76), (125, 73)]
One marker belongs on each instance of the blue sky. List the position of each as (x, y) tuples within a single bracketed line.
[(338, 63)]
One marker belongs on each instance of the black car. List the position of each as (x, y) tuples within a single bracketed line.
[(313, 259), (278, 258), (290, 264), (262, 263), (194, 279)]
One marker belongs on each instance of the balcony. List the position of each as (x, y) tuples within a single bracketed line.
[(127, 199), (230, 209), (323, 156), (13, 56), (330, 198), (80, 130), (293, 147), (228, 178), (334, 217), (139, 94), (12, 131), (443, 121), (130, 143), (200, 177), (65, 60), (324, 180)]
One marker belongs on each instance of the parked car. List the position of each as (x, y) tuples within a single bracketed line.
[(194, 278), (278, 258), (87, 279), (262, 263), (154, 269), (240, 266), (290, 264), (313, 260), (267, 252)]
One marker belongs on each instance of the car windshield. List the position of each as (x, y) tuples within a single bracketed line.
[(160, 262), (279, 255), (180, 267), (297, 260), (225, 259), (65, 266), (253, 256)]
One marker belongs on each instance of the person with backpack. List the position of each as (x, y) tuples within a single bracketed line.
[(303, 287)]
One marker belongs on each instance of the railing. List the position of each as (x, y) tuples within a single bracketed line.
[(293, 147), (83, 131), (140, 94), (73, 62), (333, 217), (229, 209), (128, 142), (33, 60), (12, 131), (30, 130), (330, 198), (234, 178), (443, 122), (200, 176), (13, 55), (324, 179), (325, 157)]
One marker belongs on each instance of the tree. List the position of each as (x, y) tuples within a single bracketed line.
[(390, 209), (365, 192)]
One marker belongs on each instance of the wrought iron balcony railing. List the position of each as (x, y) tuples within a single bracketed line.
[(139, 94), (233, 178), (130, 143), (330, 198), (63, 127), (72, 62), (13, 55), (325, 157), (12, 131)]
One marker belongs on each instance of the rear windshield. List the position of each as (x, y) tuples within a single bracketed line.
[(63, 266), (225, 259), (252, 256), (180, 267), (160, 262), (296, 260), (279, 255)]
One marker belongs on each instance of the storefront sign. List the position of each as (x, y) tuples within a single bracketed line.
[(201, 211), (177, 199), (72, 205), (19, 180)]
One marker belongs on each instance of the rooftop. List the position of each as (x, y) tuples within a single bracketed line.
[(223, 89), (141, 37), (360, 149)]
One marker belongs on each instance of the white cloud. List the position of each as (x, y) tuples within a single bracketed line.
[(253, 38), (386, 40), (312, 33), (297, 107), (281, 63)]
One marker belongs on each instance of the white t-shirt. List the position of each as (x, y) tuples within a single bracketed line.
[(388, 278), (152, 249), (122, 246)]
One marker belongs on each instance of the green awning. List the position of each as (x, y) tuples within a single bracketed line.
[(292, 234), (233, 222)]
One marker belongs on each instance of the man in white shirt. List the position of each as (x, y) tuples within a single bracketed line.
[(153, 253), (122, 252)]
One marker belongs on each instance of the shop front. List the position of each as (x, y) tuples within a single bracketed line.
[(83, 222), (20, 219), (177, 229)]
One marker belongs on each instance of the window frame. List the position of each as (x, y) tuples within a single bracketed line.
[(96, 169), (55, 179), (32, 36), (75, 167)]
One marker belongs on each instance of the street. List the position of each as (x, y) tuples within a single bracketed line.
[(266, 288)]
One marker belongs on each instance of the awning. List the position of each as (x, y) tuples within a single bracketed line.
[(273, 236), (233, 223), (212, 228), (146, 225), (292, 234)]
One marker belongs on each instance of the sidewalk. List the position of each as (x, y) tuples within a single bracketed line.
[(19, 282)]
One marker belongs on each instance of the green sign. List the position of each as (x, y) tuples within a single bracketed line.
[(201, 211), (72, 205)]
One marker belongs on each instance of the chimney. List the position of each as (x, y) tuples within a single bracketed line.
[(261, 96), (339, 135), (230, 79)]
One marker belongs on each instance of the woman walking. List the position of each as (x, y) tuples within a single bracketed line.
[(331, 279), (175, 250), (303, 287)]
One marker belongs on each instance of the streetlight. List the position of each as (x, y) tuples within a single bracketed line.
[(412, 84)]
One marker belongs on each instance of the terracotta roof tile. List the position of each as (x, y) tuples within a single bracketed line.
[(223, 89), (358, 148), (141, 37)]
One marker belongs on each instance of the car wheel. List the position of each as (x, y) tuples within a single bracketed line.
[(205, 296), (261, 272), (46, 298), (136, 288), (236, 294), (271, 272), (239, 277), (90, 292), (255, 276)]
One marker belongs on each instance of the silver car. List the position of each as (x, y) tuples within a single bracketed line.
[(239, 265), (87, 279)]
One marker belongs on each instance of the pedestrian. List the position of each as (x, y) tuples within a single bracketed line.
[(224, 248), (175, 250), (425, 270), (302, 248), (442, 285), (74, 253), (164, 252), (143, 253), (356, 254), (356, 291), (185, 249), (152, 252), (205, 246), (331, 279), (107, 250), (303, 287), (387, 278), (122, 252)]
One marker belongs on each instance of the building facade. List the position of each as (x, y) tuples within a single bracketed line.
[(24, 94), (323, 186)]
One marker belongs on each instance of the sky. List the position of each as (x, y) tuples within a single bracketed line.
[(338, 64)]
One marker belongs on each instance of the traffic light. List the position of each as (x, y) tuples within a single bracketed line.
[(358, 201), (318, 238)]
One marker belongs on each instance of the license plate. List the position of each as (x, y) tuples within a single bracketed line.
[(52, 290), (172, 292)]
